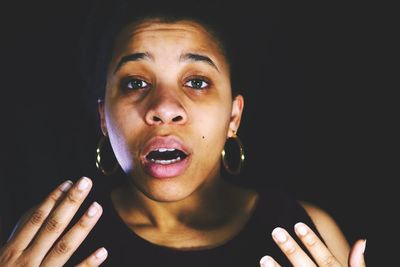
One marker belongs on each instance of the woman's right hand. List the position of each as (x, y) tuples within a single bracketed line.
[(39, 239)]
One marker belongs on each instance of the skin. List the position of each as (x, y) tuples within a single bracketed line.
[(178, 212), (334, 253), (132, 118), (193, 210)]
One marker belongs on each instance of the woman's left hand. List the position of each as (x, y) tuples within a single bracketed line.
[(320, 253)]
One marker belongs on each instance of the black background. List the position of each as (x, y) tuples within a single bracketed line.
[(323, 125)]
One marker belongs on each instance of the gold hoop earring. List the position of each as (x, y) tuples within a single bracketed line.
[(98, 158), (241, 160)]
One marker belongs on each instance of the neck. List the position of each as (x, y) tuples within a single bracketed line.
[(208, 207)]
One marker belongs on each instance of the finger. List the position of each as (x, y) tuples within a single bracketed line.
[(67, 245), (291, 249), (268, 261), (32, 221), (315, 246), (97, 258), (356, 258), (58, 220)]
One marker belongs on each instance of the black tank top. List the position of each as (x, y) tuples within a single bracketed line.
[(125, 248)]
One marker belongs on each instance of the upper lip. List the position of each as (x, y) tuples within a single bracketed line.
[(158, 142)]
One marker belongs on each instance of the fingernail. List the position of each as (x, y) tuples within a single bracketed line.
[(101, 253), (66, 186), (301, 229), (267, 261), (93, 209), (279, 234), (83, 183), (364, 245)]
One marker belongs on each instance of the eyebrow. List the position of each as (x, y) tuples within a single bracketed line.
[(131, 57), (198, 57), (184, 57)]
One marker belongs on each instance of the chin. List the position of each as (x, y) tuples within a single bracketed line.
[(166, 190), (167, 194)]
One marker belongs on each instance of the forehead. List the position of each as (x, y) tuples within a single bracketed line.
[(177, 36)]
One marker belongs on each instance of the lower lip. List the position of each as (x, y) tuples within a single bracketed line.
[(162, 171)]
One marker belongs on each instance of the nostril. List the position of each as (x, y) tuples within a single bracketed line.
[(155, 118), (177, 118)]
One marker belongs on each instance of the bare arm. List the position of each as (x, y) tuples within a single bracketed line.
[(330, 232)]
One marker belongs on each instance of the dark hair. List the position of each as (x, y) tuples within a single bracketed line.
[(107, 18)]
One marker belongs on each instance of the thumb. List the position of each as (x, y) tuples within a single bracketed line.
[(356, 257)]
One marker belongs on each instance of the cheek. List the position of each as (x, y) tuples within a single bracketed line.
[(117, 118), (211, 125), (123, 125)]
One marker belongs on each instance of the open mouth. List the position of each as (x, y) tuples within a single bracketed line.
[(166, 156)]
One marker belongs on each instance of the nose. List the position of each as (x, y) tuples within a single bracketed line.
[(165, 108)]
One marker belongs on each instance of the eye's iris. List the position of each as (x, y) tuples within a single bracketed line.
[(197, 83), (136, 84)]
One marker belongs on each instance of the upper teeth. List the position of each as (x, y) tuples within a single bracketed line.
[(165, 149)]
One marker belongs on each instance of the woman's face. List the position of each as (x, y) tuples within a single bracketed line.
[(168, 107)]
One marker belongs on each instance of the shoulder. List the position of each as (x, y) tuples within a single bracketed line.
[(329, 230)]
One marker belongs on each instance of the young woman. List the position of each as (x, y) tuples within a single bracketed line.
[(167, 105)]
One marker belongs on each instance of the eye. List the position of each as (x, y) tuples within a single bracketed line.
[(197, 83), (134, 84)]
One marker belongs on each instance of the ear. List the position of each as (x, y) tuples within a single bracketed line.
[(236, 115), (100, 107)]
